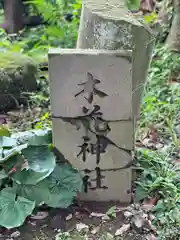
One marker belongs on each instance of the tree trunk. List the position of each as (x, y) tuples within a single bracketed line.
[(173, 39), (13, 13), (16, 19), (109, 25), (165, 14)]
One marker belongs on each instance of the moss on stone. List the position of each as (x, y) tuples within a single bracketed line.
[(17, 74), (17, 68)]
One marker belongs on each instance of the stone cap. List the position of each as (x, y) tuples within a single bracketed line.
[(115, 10), (78, 51)]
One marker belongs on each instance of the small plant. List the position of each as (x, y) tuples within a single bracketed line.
[(169, 232), (161, 98), (45, 122), (30, 176), (81, 236), (71, 236), (167, 213), (58, 32), (158, 178), (172, 133), (112, 212)]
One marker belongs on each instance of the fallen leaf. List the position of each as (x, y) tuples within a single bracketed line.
[(13, 170), (150, 226), (153, 133), (172, 80), (145, 216), (138, 143), (128, 214), (147, 142), (95, 230), (15, 234), (69, 217), (147, 6), (25, 165), (122, 230), (106, 218), (81, 226), (33, 223), (147, 207), (78, 215), (151, 201), (151, 217), (151, 237), (138, 223), (159, 145), (98, 215), (40, 216), (151, 138), (3, 119)]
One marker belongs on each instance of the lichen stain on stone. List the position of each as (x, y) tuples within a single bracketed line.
[(108, 35)]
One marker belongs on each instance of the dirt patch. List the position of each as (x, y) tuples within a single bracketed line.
[(92, 220)]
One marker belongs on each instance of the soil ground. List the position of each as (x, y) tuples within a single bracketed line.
[(57, 220)]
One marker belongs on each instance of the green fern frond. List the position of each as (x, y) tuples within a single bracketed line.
[(49, 11)]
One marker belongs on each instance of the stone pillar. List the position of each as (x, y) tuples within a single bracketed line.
[(109, 25), (96, 92), (91, 98)]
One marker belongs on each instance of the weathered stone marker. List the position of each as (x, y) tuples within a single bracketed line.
[(91, 97), (110, 25), (96, 96)]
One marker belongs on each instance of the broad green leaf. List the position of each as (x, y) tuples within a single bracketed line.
[(13, 161), (112, 211), (57, 32), (1, 152), (36, 137), (150, 18), (23, 176), (41, 193), (7, 142), (3, 174), (13, 210), (40, 158), (66, 176), (141, 193), (29, 176), (57, 190), (4, 132), (38, 193), (160, 206), (5, 154), (60, 197)]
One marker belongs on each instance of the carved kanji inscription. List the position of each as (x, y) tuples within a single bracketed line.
[(67, 137), (112, 185), (79, 78), (91, 96), (93, 183), (89, 87)]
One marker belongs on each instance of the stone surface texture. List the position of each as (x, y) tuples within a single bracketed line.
[(17, 74), (110, 25), (91, 98), (116, 186), (113, 72)]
